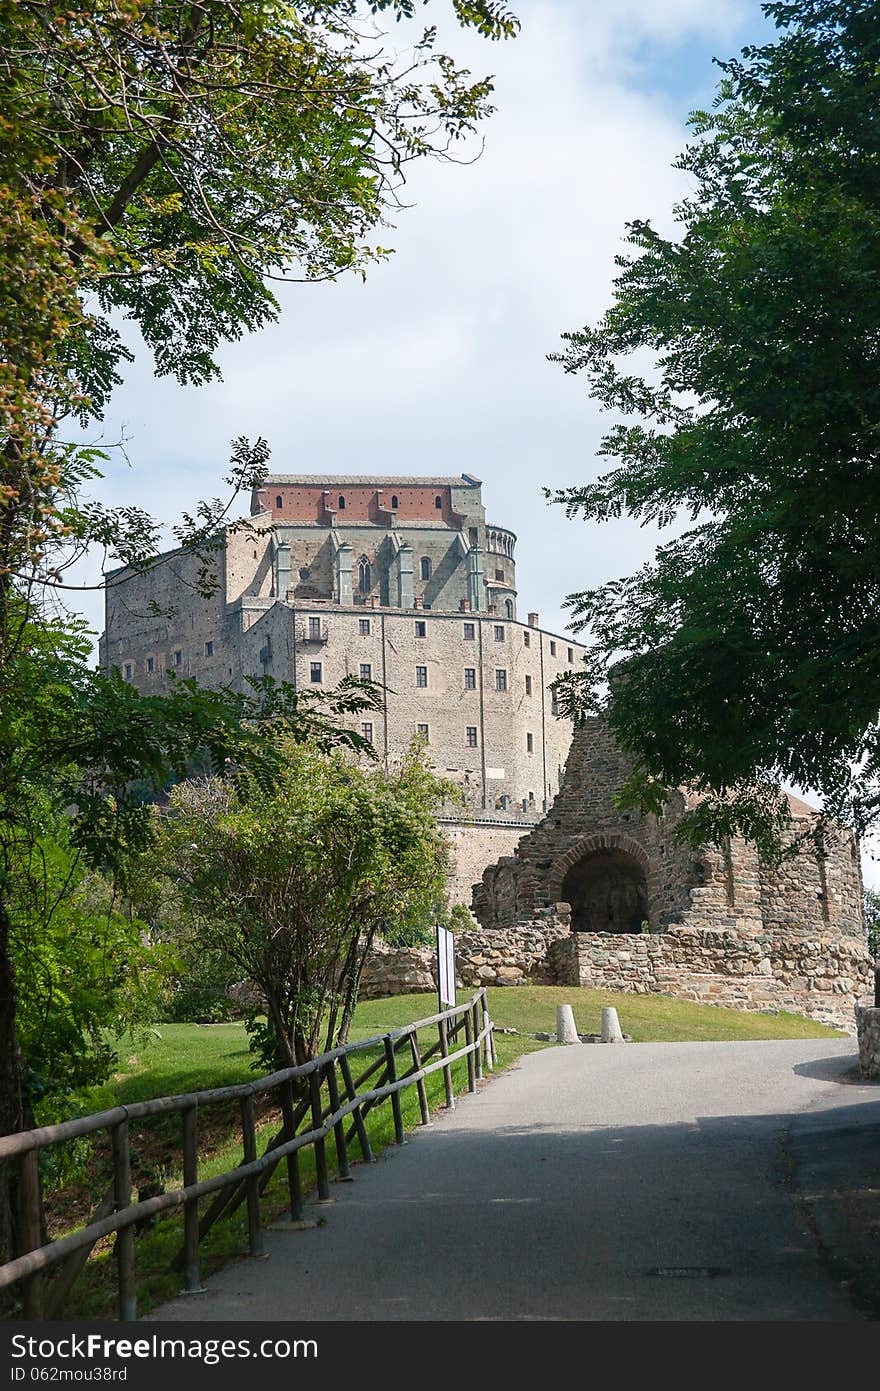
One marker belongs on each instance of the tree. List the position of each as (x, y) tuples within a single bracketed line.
[(165, 163), (292, 883), (748, 652)]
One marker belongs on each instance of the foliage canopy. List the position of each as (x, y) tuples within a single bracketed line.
[(750, 647)]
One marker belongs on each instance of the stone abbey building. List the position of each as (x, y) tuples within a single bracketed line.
[(400, 580)]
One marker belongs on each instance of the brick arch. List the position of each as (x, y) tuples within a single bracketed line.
[(600, 840)]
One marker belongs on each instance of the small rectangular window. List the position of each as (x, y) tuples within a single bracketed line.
[(421, 628), (150, 664), (422, 731), (553, 649), (314, 627), (571, 654), (527, 641), (209, 649), (530, 743), (499, 632), (364, 627), (367, 731), (500, 679), (499, 574), (127, 671), (554, 706), (528, 685), (469, 632), (421, 676), (315, 672), (470, 678), (472, 736), (178, 658), (366, 671)]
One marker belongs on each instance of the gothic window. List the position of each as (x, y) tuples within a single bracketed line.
[(393, 499), (365, 575), (279, 502), (342, 504), (508, 607), (426, 567), (438, 503)]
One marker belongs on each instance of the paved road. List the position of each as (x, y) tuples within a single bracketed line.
[(563, 1188)]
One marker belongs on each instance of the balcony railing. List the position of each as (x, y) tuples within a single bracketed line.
[(312, 633)]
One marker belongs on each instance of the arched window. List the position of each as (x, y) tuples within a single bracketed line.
[(438, 503), (393, 499), (365, 575), (426, 567), (508, 604), (279, 501), (342, 504)]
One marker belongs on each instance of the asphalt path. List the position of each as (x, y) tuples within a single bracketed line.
[(624, 1182)]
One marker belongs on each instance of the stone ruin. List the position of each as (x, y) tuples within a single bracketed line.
[(608, 898)]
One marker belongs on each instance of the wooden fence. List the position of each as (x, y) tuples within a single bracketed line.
[(322, 1095)]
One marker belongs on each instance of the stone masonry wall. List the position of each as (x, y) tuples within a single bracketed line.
[(481, 958)]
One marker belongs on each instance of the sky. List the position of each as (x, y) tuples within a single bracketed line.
[(438, 363)]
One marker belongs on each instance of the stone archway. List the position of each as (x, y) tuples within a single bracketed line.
[(608, 892), (606, 880)]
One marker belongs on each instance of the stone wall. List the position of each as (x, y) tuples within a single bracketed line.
[(868, 1024), (815, 977), (481, 958)]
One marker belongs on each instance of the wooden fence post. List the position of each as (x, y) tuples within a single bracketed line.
[(192, 1278), (478, 1046), (420, 1084), (391, 1069), (344, 1173), (320, 1145), (30, 1227), (249, 1145), (363, 1137), (469, 1041), (124, 1245), (490, 1037), (294, 1182), (447, 1070)]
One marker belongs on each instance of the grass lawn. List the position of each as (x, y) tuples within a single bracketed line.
[(178, 1058)]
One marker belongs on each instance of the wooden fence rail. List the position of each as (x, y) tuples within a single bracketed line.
[(312, 1094)]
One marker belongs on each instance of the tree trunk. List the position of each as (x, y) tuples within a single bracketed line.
[(11, 1107)]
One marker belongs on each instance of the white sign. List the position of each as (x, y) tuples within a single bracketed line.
[(446, 966), (496, 774)]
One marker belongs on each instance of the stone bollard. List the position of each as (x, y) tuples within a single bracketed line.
[(565, 1027), (611, 1031)]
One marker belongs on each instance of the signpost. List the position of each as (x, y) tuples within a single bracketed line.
[(445, 967)]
